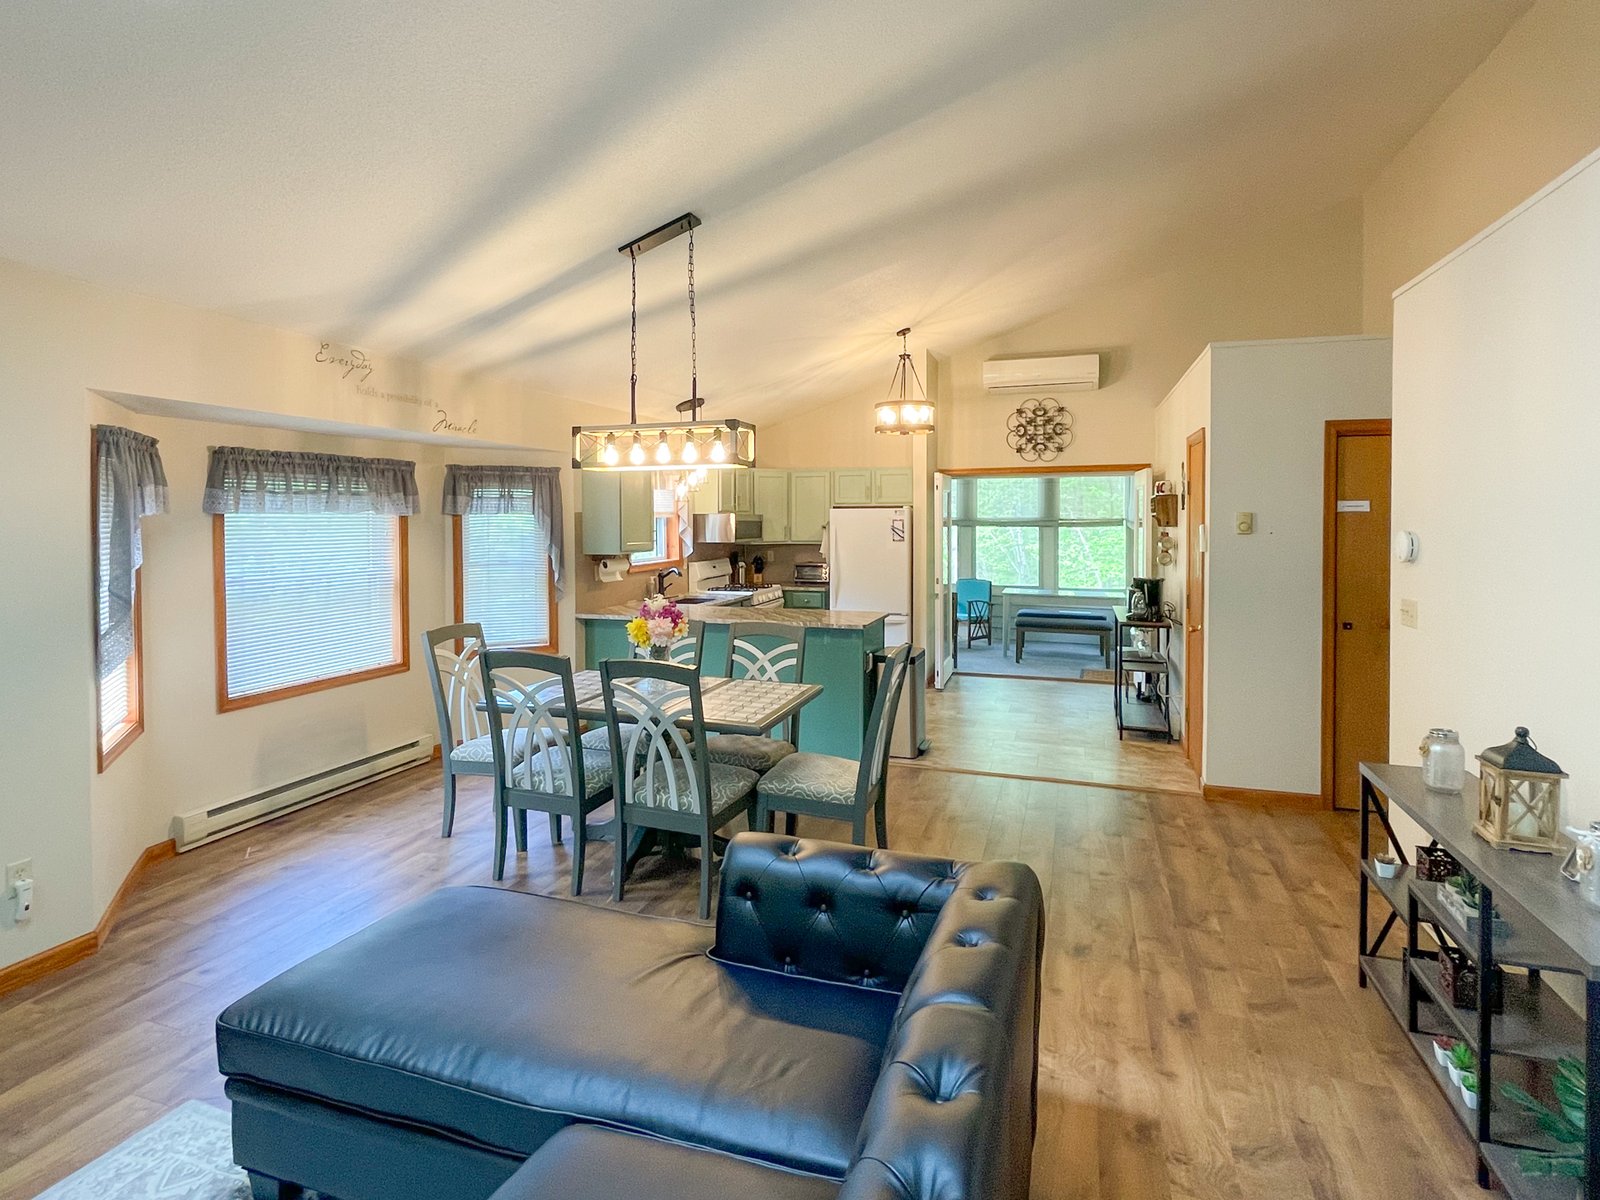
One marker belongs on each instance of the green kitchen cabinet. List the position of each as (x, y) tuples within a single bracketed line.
[(852, 487), (772, 504), (707, 498), (725, 491), (619, 515), (891, 485), (810, 495), (804, 598)]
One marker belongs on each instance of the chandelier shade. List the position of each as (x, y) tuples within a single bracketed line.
[(904, 412)]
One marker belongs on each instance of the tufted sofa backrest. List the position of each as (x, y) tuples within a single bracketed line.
[(953, 1114), (829, 911)]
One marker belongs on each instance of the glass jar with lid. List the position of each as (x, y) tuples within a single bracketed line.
[(1444, 762)]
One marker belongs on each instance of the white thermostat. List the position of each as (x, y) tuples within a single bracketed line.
[(1405, 546)]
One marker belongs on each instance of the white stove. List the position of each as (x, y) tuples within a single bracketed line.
[(713, 578)]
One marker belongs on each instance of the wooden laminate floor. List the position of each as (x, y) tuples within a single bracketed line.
[(1203, 1034)]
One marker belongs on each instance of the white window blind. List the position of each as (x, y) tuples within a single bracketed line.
[(116, 686), (505, 577), (310, 597)]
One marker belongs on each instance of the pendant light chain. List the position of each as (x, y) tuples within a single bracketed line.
[(694, 348), (633, 337)]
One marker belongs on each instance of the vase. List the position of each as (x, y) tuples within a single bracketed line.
[(657, 653)]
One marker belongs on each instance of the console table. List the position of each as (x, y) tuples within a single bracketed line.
[(1544, 928)]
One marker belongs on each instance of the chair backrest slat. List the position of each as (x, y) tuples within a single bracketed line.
[(885, 706), (648, 743), (533, 722), (686, 651), (457, 682)]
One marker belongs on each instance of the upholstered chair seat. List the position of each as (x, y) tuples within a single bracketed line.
[(597, 771), (675, 791), (758, 754), (817, 778), (481, 750)]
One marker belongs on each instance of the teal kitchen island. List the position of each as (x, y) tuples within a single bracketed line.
[(839, 650)]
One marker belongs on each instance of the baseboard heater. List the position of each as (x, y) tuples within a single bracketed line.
[(204, 825)]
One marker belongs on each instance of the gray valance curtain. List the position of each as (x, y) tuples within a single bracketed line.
[(497, 490), (242, 480), (130, 484)]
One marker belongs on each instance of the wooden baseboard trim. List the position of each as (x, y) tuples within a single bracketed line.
[(58, 958), (917, 764), (1262, 798)]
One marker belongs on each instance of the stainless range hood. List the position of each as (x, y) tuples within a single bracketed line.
[(725, 528)]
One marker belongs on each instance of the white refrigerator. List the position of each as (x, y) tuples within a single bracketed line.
[(869, 565)]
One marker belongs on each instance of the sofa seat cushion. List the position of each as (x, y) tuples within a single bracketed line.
[(591, 1162), (494, 1016)]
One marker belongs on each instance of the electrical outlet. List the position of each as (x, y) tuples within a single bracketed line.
[(1408, 613), (19, 870)]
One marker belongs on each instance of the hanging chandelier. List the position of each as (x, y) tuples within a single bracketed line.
[(905, 414), (691, 445)]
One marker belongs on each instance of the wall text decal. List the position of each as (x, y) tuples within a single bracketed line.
[(351, 361)]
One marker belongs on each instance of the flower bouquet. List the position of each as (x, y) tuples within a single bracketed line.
[(660, 623)]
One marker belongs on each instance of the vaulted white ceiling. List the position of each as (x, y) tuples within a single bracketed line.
[(452, 180)]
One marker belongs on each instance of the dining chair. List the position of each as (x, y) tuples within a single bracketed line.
[(687, 650), (536, 709), (668, 783), (841, 789), (452, 653), (978, 622), (968, 590), (767, 651)]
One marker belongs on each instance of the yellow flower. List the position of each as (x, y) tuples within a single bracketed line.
[(639, 633)]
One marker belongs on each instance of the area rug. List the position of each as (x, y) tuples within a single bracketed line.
[(186, 1155), (1042, 658)]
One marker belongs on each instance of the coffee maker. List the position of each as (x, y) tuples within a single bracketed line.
[(1144, 600)]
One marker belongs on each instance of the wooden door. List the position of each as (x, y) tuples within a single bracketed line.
[(1194, 605), (1355, 604)]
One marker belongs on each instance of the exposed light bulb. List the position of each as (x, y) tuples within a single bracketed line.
[(609, 455), (719, 450), (663, 451), (636, 452), (887, 416), (690, 452)]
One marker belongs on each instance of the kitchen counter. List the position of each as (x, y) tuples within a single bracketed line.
[(839, 650), (719, 614)]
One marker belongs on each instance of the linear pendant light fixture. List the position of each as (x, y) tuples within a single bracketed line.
[(906, 414), (692, 445)]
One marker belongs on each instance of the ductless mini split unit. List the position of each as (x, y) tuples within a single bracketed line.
[(1058, 372)]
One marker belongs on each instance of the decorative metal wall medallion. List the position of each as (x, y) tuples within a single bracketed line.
[(1039, 430)]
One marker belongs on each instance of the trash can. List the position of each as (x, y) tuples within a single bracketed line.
[(909, 738)]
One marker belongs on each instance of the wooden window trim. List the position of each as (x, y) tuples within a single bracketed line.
[(402, 638), (458, 566), (110, 743)]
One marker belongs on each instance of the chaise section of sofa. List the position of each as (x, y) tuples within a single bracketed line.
[(859, 1020)]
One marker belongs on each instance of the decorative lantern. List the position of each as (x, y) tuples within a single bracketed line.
[(1519, 797)]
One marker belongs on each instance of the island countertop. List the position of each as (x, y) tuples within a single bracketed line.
[(720, 614)]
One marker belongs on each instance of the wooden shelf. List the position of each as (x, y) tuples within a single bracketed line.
[(1395, 890), (1535, 1024), (1503, 1162), (1523, 944)]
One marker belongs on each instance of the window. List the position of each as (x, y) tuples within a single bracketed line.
[(120, 690), (503, 578), (668, 549), (1071, 533), (306, 601)]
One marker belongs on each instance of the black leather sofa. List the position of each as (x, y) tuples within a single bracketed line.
[(859, 1025)]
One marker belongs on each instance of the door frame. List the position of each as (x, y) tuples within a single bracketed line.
[(1194, 747), (1332, 432)]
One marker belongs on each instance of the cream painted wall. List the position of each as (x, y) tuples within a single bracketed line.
[(1300, 281), (1495, 424), (835, 434), (59, 340), (1270, 402), (1529, 111)]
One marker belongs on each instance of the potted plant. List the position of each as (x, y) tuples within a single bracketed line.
[(1461, 897), (1442, 1045), (1566, 1124), (1386, 866), (1462, 1061), (1469, 1089)]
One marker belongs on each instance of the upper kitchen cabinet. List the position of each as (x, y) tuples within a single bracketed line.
[(725, 491), (772, 503), (852, 487), (619, 514), (810, 496), (891, 485)]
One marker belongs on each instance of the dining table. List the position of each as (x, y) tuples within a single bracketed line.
[(749, 706)]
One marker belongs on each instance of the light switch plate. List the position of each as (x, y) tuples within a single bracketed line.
[(1408, 613), (1244, 522)]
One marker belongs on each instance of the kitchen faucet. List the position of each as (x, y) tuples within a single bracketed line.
[(661, 579)]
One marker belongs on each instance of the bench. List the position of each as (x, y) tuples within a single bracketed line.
[(1094, 622)]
